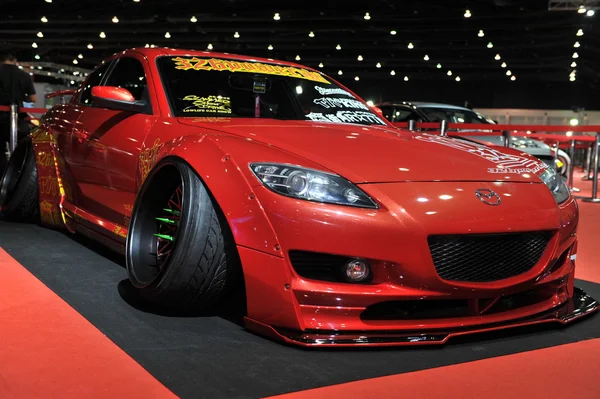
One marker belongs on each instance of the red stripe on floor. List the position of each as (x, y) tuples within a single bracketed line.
[(48, 350), (566, 371)]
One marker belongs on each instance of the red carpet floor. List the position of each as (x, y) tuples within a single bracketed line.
[(48, 350)]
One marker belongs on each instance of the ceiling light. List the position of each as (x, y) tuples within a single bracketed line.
[(360, 58), (569, 133), (34, 45), (457, 78), (102, 35), (37, 57), (193, 19), (270, 47), (590, 13), (576, 45), (574, 122), (75, 62), (572, 78), (311, 34), (490, 45), (581, 10), (276, 17), (115, 20), (575, 55), (497, 57), (370, 103), (378, 65), (72, 82), (210, 46), (48, 1), (167, 35), (579, 32), (513, 78), (340, 72), (573, 64), (426, 58), (90, 46), (298, 58), (467, 14), (449, 73), (410, 46), (406, 78), (508, 73), (338, 47), (438, 66), (503, 65), (236, 35), (147, 45), (356, 78), (393, 32), (40, 34), (392, 72), (136, 1), (44, 19), (481, 34), (367, 16), (321, 65), (80, 56)]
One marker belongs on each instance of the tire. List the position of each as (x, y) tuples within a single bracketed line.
[(189, 262), (19, 198)]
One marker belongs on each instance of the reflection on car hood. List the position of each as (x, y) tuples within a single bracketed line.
[(378, 154), (525, 144)]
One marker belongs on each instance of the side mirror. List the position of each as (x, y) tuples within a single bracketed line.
[(117, 98)]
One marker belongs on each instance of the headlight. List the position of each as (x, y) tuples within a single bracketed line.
[(555, 183), (311, 185)]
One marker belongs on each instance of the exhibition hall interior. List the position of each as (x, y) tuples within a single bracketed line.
[(259, 199)]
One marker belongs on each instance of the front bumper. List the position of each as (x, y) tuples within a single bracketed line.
[(578, 306)]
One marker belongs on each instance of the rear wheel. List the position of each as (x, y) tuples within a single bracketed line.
[(180, 253), (19, 199)]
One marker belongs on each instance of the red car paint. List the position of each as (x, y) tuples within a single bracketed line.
[(89, 176)]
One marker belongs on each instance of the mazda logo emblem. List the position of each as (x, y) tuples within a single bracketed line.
[(488, 197)]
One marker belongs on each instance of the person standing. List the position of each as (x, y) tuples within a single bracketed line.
[(16, 87)]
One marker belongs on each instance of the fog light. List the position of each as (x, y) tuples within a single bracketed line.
[(357, 270)]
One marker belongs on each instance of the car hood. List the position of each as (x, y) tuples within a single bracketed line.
[(367, 154)]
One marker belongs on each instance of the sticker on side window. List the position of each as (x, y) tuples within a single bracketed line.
[(209, 104)]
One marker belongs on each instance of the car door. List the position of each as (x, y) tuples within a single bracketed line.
[(107, 145)]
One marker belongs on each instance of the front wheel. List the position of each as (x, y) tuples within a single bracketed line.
[(180, 253)]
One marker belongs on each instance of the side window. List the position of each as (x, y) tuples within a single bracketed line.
[(404, 115), (129, 74), (94, 80)]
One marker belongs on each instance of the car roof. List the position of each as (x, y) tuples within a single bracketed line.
[(154, 52), (423, 104)]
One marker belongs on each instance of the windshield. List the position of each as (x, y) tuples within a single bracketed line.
[(437, 114), (211, 87)]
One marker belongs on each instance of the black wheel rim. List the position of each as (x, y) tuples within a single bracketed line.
[(13, 173), (167, 226), (154, 228)]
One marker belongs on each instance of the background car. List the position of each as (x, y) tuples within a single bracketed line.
[(402, 112), (213, 172)]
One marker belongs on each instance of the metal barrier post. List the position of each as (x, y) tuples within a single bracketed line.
[(13, 128), (506, 137), (588, 163), (571, 170), (594, 197), (412, 125), (444, 128)]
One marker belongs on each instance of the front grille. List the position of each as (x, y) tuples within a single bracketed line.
[(489, 257)]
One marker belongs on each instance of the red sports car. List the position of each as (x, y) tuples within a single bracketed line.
[(204, 167)]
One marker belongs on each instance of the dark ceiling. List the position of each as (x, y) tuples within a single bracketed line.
[(536, 44)]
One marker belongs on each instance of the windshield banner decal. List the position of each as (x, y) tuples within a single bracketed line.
[(215, 64), (328, 102), (345, 117)]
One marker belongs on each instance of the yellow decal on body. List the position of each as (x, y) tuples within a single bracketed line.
[(148, 158), (215, 64), (212, 104)]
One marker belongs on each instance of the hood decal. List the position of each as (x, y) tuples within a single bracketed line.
[(505, 163)]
